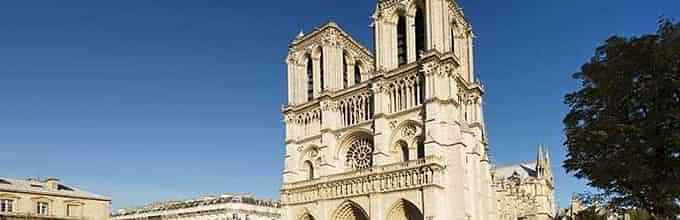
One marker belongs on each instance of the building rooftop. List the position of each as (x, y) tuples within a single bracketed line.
[(37, 186), (201, 201), (524, 170)]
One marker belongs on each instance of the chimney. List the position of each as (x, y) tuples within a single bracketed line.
[(52, 183)]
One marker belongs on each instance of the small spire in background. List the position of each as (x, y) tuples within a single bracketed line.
[(540, 153)]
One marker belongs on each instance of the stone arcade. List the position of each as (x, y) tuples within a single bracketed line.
[(398, 135)]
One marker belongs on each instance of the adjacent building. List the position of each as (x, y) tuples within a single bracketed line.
[(397, 133), (49, 199), (224, 207), (525, 190)]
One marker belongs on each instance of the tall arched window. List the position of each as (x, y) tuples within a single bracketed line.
[(357, 73), (453, 41), (420, 32), (310, 169), (321, 69), (345, 81), (310, 78), (421, 149), (401, 40), (404, 151)]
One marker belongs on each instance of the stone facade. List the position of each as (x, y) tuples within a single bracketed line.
[(49, 199), (395, 135), (224, 207), (525, 190)]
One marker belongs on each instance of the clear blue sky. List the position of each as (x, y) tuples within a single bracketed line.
[(144, 100)]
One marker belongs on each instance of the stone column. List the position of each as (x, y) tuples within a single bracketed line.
[(410, 38), (434, 36), (291, 81), (470, 60), (316, 63), (332, 60), (331, 121), (382, 127), (350, 72)]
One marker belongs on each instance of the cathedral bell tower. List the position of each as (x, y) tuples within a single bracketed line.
[(398, 135), (405, 30)]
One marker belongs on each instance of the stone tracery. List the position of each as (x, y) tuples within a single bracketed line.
[(350, 211), (360, 154)]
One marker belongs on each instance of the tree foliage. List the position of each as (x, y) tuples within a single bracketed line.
[(623, 127), (591, 213)]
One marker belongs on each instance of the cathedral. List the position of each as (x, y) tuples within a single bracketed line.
[(398, 133)]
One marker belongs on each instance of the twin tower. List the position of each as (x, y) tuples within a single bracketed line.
[(395, 135)]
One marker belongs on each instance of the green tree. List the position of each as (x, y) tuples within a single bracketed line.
[(638, 214), (591, 213), (623, 129)]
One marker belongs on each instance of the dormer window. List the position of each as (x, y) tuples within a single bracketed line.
[(62, 187)]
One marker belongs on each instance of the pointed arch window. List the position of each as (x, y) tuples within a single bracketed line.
[(420, 32), (401, 40), (310, 170), (310, 78), (453, 41), (323, 87), (357, 73), (345, 81), (421, 149), (404, 151)]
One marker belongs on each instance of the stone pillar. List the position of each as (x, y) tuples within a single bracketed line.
[(316, 63), (289, 174), (411, 38), (378, 32), (381, 139), (331, 121), (386, 43), (291, 81), (470, 60), (350, 72), (332, 61), (391, 45)]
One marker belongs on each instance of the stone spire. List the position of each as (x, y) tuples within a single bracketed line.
[(539, 156), (542, 164)]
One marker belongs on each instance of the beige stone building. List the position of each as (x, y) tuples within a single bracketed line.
[(398, 133), (223, 207), (525, 190), (49, 199)]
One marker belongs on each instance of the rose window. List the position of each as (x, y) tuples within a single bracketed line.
[(360, 154)]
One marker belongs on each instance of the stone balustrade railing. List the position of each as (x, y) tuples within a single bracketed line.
[(355, 107), (398, 176)]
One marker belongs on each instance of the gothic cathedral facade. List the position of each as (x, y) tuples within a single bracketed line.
[(395, 135)]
